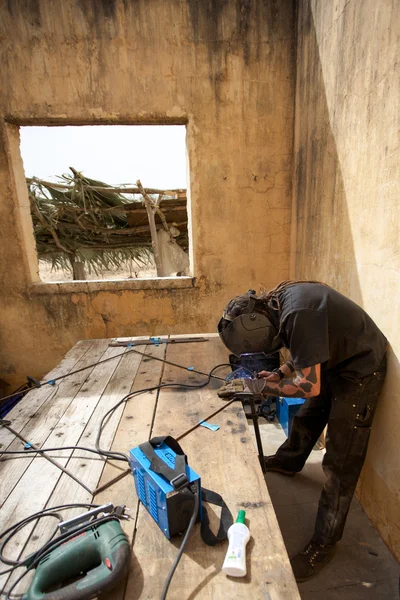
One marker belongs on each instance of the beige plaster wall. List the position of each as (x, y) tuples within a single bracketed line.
[(224, 68), (346, 196)]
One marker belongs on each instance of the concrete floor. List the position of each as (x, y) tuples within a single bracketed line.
[(363, 568)]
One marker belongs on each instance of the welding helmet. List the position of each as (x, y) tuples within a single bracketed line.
[(244, 328)]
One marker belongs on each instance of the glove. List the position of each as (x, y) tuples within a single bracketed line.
[(231, 388)]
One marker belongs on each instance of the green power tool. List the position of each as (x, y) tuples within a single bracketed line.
[(93, 556)]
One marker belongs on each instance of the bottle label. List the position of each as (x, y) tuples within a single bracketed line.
[(235, 553)]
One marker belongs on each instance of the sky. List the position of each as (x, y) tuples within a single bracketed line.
[(114, 154)]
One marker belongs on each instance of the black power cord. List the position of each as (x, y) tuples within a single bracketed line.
[(182, 546), (43, 450), (113, 455), (107, 453), (52, 545), (39, 384), (142, 391), (32, 560)]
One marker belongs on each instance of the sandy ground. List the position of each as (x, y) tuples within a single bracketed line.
[(126, 272)]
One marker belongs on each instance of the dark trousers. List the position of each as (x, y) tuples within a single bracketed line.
[(348, 408)]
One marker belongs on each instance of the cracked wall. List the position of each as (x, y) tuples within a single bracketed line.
[(346, 191), (224, 68)]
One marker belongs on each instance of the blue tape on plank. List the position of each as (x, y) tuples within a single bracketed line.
[(130, 344), (190, 368), (51, 382), (209, 426), (27, 446)]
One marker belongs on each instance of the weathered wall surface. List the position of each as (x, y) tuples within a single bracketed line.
[(224, 67), (346, 196)]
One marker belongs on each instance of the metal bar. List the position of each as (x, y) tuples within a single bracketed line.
[(167, 362), (106, 485), (52, 381), (157, 343), (46, 456), (185, 433), (254, 416)]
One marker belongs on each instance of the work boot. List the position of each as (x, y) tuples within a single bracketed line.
[(310, 561), (273, 464)]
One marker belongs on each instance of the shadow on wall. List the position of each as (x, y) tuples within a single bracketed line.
[(325, 248), (323, 234), (376, 488)]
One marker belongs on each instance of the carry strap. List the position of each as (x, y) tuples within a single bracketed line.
[(226, 519), (178, 479), (177, 476)]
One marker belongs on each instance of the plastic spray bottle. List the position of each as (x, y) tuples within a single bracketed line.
[(238, 536)]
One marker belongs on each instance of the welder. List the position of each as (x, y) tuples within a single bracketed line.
[(338, 364)]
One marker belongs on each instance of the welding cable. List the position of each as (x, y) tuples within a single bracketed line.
[(55, 543), (100, 362), (121, 455), (122, 401), (14, 529), (105, 453), (182, 546), (29, 451), (6, 572), (52, 545)]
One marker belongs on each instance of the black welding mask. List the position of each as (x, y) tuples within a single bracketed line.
[(250, 331)]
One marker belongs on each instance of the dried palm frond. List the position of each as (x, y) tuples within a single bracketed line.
[(82, 224)]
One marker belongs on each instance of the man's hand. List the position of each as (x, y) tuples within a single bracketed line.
[(269, 376), (287, 369)]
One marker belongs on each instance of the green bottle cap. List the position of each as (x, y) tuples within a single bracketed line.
[(241, 518)]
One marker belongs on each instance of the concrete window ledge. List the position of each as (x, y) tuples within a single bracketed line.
[(112, 285)]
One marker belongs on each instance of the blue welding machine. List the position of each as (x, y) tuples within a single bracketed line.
[(165, 483)]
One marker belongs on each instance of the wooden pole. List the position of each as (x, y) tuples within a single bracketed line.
[(109, 188), (78, 268), (153, 231)]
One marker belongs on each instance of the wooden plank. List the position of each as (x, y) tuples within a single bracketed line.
[(84, 466), (39, 480), (226, 460), (25, 410), (228, 463), (39, 428), (135, 424), (135, 427)]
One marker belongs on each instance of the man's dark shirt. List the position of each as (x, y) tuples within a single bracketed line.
[(320, 325)]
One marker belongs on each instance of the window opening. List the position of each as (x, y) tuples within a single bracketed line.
[(88, 222)]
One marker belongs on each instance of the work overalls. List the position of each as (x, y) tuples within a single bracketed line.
[(348, 408)]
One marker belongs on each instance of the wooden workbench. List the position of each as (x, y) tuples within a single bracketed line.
[(69, 413)]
